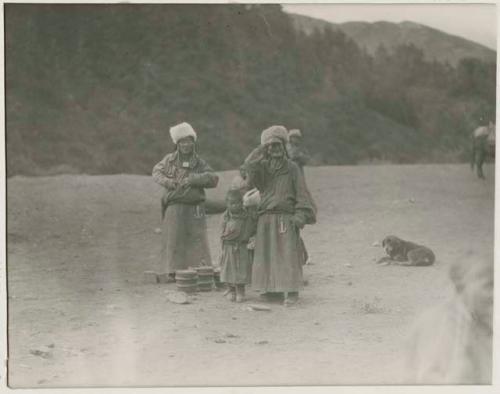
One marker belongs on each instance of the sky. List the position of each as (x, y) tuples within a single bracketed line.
[(476, 22)]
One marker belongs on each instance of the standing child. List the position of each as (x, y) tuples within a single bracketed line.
[(238, 229)]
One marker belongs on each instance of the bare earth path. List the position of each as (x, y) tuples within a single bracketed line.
[(77, 246)]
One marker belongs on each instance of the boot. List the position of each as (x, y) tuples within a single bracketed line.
[(291, 298), (231, 293), (240, 293)]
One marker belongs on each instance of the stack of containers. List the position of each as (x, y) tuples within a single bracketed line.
[(186, 280), (205, 278)]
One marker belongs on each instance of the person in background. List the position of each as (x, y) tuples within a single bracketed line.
[(296, 150), (238, 230), (298, 153), (184, 176), (285, 207)]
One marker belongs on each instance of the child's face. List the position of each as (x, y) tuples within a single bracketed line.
[(234, 205)]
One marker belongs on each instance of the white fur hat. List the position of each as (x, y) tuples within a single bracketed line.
[(294, 132), (182, 130), (273, 133)]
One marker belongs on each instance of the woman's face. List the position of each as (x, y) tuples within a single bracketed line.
[(186, 145), (275, 150)]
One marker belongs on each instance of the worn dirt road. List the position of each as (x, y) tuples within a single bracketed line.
[(79, 314)]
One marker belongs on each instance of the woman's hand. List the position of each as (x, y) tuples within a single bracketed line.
[(184, 182), (251, 243), (170, 184), (297, 221), (258, 153)]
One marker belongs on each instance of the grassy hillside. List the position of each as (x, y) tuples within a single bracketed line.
[(95, 88)]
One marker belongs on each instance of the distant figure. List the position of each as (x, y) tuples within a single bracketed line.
[(295, 149), (238, 230), (184, 175), (298, 153), (483, 146), (285, 207), (452, 343)]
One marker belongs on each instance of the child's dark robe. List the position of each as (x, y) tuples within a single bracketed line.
[(236, 258)]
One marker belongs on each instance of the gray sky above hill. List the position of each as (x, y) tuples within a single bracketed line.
[(476, 22)]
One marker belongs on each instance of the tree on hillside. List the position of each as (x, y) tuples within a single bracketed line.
[(94, 88)]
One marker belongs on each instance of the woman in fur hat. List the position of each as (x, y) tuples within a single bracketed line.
[(285, 207), (184, 175)]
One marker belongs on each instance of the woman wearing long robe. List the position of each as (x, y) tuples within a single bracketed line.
[(184, 175), (284, 209)]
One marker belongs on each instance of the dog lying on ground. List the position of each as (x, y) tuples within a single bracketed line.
[(401, 252)]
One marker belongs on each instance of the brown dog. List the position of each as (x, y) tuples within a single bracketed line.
[(402, 252)]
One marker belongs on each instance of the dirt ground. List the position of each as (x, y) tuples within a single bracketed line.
[(79, 314)]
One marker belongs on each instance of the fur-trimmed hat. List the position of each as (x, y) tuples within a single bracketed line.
[(182, 130), (274, 134), (294, 133)]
